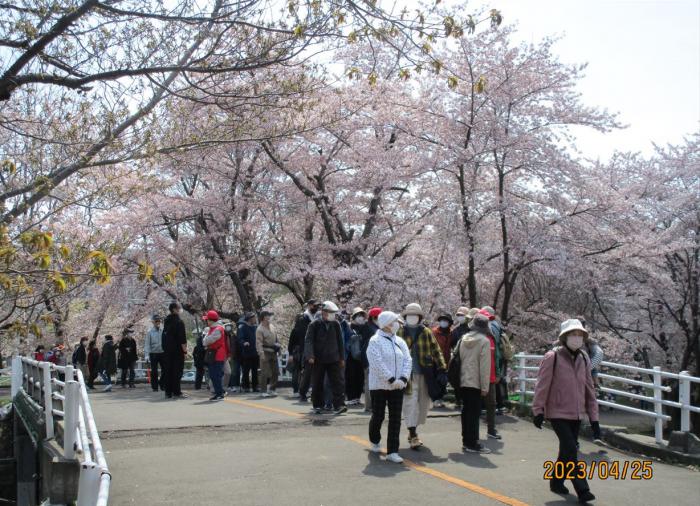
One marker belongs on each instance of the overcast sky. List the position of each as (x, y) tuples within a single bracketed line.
[(643, 56)]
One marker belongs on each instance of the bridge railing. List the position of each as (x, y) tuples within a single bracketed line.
[(67, 399), (528, 366)]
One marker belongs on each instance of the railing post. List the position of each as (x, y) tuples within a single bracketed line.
[(48, 398), (70, 418), (17, 375), (684, 400), (658, 407), (69, 373), (521, 377)]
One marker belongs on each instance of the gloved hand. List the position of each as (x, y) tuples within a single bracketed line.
[(399, 384), (538, 421), (596, 431)]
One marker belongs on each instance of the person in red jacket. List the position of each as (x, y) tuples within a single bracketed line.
[(563, 393), (216, 340)]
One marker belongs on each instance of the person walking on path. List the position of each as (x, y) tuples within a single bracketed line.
[(79, 358), (198, 360), (425, 354), (215, 343), (463, 317), (474, 351), (247, 328), (153, 352), (301, 374), (324, 351), (108, 363), (93, 360), (372, 328), (360, 334), (267, 347), (127, 357), (490, 399), (389, 369), (442, 334), (174, 351), (563, 393)]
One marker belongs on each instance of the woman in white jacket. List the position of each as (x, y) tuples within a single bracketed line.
[(389, 368)]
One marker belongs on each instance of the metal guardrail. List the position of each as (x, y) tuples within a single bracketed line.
[(684, 398), (67, 400)]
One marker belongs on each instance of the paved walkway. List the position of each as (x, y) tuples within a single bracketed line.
[(253, 451)]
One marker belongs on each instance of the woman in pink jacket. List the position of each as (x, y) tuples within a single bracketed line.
[(563, 395)]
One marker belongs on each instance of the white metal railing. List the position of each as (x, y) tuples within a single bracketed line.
[(81, 440), (684, 403)]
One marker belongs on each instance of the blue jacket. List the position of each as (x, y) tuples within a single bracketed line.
[(246, 334)]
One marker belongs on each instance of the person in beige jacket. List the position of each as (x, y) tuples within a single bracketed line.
[(475, 355), (267, 348)]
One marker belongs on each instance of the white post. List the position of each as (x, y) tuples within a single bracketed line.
[(70, 418), (521, 376), (17, 375), (48, 398), (89, 484), (69, 373), (658, 407), (684, 400)]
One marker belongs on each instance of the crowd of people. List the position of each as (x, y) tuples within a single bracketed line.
[(376, 359)]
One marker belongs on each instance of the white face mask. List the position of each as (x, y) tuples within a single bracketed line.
[(444, 324), (461, 319), (574, 342), (360, 320), (412, 320), (395, 327)]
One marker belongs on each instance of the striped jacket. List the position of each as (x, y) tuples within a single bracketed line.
[(427, 348)]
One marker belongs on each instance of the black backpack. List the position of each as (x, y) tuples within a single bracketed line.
[(355, 346), (454, 369)]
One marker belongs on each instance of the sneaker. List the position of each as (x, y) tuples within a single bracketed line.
[(438, 404), (500, 411), (272, 393), (265, 395), (353, 402), (340, 410), (215, 398), (375, 448), (558, 488), (327, 407), (108, 388), (585, 497), (494, 435), (415, 442), (181, 396), (476, 449), (234, 390), (317, 411), (395, 458)]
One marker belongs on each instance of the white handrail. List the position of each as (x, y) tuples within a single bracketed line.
[(80, 430), (684, 379)]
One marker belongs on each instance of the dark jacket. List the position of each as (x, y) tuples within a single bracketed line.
[(366, 331), (246, 334), (127, 352), (108, 358), (298, 336), (324, 342), (174, 334), (198, 353), (80, 356), (93, 358), (457, 333)]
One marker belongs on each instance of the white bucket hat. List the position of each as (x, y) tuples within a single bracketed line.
[(387, 318), (413, 309), (329, 307), (570, 325)]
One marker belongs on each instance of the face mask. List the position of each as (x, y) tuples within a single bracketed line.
[(444, 324), (412, 319), (360, 320), (395, 327), (574, 342), (461, 319)]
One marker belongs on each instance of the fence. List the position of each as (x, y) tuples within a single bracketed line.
[(67, 400), (656, 374)]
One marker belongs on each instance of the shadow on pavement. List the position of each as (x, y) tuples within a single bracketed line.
[(424, 456), (472, 460), (596, 456), (495, 445), (380, 468)]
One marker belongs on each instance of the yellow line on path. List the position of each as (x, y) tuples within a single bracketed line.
[(451, 479), (265, 408)]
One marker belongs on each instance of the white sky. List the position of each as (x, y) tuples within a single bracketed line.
[(643, 56)]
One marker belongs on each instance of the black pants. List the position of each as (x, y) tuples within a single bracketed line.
[(92, 376), (305, 379), (173, 364), (156, 359), (567, 432), (132, 374), (335, 376), (380, 400), (198, 377), (471, 409), (354, 378), (249, 366)]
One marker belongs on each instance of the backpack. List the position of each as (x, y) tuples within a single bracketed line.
[(454, 369), (507, 349), (355, 346)]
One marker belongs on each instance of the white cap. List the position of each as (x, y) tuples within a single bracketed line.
[(570, 325), (329, 307), (386, 318)]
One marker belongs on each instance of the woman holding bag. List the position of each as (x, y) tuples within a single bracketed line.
[(389, 369)]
